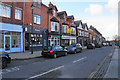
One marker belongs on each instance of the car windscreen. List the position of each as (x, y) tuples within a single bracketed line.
[(73, 45), (48, 48)]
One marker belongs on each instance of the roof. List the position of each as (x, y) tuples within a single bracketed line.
[(77, 22), (95, 30), (72, 25), (52, 7), (85, 24), (61, 13), (65, 23), (54, 19), (69, 17)]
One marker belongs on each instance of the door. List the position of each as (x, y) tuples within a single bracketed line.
[(7, 43)]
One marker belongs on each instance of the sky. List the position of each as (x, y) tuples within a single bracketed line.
[(101, 14)]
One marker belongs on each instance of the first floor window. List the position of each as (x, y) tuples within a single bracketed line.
[(18, 14), (5, 11), (37, 19)]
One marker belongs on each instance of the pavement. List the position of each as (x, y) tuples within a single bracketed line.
[(112, 71), (27, 55)]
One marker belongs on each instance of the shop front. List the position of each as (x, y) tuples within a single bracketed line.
[(11, 38), (72, 40), (35, 39), (65, 41), (54, 40), (81, 40)]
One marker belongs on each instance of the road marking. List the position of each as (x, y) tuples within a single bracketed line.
[(45, 73), (79, 59), (17, 68)]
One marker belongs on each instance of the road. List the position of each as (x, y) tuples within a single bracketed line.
[(79, 65)]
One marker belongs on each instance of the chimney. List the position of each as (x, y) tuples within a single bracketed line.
[(40, 1), (50, 4)]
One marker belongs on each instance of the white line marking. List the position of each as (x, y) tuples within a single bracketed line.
[(79, 59), (45, 73)]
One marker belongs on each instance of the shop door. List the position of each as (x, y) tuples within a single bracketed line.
[(7, 43)]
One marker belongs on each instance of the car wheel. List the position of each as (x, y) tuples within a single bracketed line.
[(54, 56), (66, 54), (4, 63), (75, 51)]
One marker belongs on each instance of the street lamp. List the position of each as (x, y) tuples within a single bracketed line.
[(32, 7)]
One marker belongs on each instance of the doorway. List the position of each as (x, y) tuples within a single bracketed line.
[(7, 43)]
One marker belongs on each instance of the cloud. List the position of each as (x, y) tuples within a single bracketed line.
[(108, 26), (112, 6), (94, 9)]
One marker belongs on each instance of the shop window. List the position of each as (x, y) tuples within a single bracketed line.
[(16, 41), (1, 41), (35, 2), (7, 33)]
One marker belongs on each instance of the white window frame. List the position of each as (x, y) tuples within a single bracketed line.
[(18, 13), (72, 30), (37, 19), (5, 10), (54, 13), (53, 24)]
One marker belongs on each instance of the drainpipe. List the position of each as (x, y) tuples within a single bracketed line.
[(23, 27)]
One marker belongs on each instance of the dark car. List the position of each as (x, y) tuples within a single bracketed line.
[(5, 59), (54, 51), (74, 48), (98, 45), (91, 46)]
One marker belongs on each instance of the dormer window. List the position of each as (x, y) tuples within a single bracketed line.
[(72, 21), (54, 13), (35, 3), (64, 17), (39, 3)]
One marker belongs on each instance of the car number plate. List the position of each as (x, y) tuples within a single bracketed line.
[(45, 51)]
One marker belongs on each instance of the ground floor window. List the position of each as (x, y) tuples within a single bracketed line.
[(10, 40), (54, 40), (65, 42), (73, 41)]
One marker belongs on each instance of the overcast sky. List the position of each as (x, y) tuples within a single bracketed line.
[(102, 14)]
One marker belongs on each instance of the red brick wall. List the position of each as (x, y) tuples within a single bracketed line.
[(42, 11), (12, 19), (50, 16)]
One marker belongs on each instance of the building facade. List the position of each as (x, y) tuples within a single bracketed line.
[(11, 31), (64, 29), (79, 32), (72, 29), (35, 25), (54, 26)]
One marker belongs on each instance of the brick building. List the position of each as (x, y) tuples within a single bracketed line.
[(53, 26), (11, 31), (64, 27), (35, 32), (79, 32)]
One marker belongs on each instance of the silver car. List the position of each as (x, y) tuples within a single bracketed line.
[(74, 48)]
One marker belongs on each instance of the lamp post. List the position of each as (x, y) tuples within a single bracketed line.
[(32, 7)]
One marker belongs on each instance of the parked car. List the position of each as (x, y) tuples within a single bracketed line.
[(91, 46), (74, 48), (98, 45), (110, 44), (104, 44), (54, 51), (5, 59)]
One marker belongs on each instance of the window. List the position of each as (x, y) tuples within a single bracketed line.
[(1, 41), (54, 13), (73, 30), (37, 19), (18, 13), (65, 29), (35, 3), (64, 17), (39, 3), (54, 26), (5, 11), (15, 41)]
